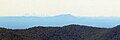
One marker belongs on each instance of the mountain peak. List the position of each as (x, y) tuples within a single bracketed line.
[(65, 15)]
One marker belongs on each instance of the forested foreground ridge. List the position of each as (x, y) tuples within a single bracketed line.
[(68, 32)]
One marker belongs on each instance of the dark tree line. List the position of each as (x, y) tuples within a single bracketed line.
[(68, 32)]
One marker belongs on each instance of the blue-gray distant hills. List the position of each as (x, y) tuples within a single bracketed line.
[(59, 20)]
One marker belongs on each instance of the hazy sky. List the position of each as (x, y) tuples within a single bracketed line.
[(56, 7)]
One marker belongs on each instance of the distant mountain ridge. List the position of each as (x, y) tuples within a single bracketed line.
[(68, 32), (21, 22)]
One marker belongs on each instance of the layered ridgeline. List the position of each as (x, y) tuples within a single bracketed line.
[(69, 32), (21, 22)]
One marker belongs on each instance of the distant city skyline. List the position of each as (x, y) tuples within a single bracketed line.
[(58, 7)]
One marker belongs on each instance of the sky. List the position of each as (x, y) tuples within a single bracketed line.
[(57, 7)]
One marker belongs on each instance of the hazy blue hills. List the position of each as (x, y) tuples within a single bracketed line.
[(59, 20)]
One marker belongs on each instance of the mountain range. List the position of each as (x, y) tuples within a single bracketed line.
[(22, 22), (68, 32)]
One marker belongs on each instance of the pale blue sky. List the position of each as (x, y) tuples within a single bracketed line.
[(57, 7)]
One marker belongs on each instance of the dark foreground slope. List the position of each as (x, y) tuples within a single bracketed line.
[(69, 32)]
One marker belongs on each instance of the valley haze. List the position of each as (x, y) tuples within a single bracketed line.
[(21, 22)]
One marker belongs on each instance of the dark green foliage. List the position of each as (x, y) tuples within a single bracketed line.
[(69, 32)]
